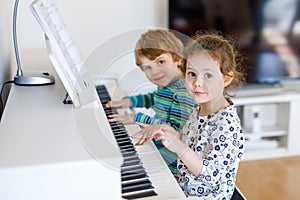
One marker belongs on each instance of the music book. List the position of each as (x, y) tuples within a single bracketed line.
[(63, 53)]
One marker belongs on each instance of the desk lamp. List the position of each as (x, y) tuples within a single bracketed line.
[(34, 79)]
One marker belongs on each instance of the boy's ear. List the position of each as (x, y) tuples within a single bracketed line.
[(179, 61), (228, 78)]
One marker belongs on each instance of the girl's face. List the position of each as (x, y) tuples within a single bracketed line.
[(204, 80), (162, 70)]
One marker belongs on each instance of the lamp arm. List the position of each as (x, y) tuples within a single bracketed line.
[(15, 13)]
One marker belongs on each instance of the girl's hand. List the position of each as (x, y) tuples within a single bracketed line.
[(171, 140), (126, 118), (165, 133), (124, 103)]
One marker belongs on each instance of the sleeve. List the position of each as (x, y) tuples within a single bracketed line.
[(146, 119), (181, 109), (224, 152), (142, 100)]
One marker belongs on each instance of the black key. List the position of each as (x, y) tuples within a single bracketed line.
[(142, 194), (132, 169), (136, 186), (133, 176)]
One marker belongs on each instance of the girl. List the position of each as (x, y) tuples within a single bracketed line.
[(211, 143)]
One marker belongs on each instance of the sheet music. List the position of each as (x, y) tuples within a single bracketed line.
[(62, 51)]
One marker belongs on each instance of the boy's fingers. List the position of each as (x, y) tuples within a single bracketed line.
[(108, 104), (127, 113)]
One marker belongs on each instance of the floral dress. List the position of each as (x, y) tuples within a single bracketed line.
[(219, 139)]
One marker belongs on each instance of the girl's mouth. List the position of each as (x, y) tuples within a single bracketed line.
[(197, 93)]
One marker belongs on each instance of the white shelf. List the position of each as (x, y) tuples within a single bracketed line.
[(278, 98), (265, 153), (261, 144), (279, 115), (265, 132)]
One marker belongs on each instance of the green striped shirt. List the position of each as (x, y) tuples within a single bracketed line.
[(172, 105)]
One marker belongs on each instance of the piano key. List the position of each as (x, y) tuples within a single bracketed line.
[(131, 176), (139, 195), (129, 153), (132, 169), (132, 163), (136, 185)]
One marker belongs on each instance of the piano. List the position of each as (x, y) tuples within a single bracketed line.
[(144, 173)]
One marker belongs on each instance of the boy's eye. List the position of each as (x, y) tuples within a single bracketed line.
[(160, 62), (145, 68)]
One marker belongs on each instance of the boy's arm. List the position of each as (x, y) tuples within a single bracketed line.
[(142, 100), (146, 119), (181, 108)]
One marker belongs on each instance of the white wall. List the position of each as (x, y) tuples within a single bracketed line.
[(90, 22), (5, 39)]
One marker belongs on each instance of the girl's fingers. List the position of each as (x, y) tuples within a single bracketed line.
[(159, 136), (137, 135), (142, 124), (141, 140), (143, 137)]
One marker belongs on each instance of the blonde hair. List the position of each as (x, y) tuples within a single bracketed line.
[(221, 49), (153, 43)]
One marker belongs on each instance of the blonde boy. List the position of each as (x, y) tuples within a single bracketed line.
[(159, 55)]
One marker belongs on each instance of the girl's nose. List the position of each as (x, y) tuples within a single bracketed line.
[(198, 82)]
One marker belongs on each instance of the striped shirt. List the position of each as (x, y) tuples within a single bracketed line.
[(172, 105)]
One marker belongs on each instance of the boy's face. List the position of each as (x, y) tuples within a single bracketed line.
[(162, 70), (203, 79)]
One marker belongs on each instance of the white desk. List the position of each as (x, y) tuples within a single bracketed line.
[(42, 155)]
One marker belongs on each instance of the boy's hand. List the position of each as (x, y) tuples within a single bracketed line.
[(126, 118), (124, 103)]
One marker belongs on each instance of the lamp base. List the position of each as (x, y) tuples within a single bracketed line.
[(34, 79)]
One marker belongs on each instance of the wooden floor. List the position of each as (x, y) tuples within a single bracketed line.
[(274, 179)]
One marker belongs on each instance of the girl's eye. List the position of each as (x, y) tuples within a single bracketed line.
[(191, 74), (207, 76)]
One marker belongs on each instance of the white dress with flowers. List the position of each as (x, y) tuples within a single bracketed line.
[(219, 139)]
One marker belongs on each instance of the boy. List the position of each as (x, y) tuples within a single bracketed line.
[(159, 55)]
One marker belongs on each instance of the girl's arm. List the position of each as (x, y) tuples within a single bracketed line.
[(171, 139)]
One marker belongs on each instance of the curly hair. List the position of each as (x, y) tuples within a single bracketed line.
[(221, 49)]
